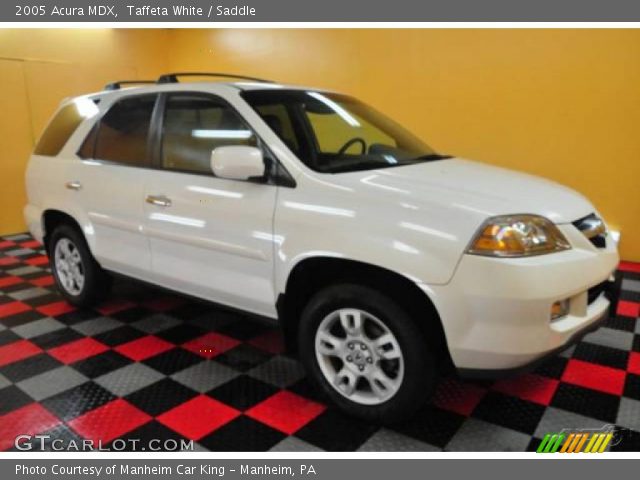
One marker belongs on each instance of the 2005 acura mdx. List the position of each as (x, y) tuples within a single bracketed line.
[(384, 262)]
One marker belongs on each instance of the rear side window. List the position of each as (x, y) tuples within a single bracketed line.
[(63, 125), (122, 135)]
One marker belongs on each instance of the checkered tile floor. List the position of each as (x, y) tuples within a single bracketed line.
[(151, 365)]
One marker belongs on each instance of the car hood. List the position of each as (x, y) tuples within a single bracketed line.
[(474, 187)]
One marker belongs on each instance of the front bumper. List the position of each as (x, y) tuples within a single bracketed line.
[(496, 312)]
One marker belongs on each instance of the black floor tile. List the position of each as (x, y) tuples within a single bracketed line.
[(243, 392), (181, 333), (101, 364), (587, 402), (243, 357), (632, 386), (56, 338), (336, 432), (510, 412), (29, 367), (153, 437), (12, 399), (78, 401), (601, 355), (119, 336), (161, 396), (552, 368), (432, 425), (173, 361), (242, 435), (7, 337)]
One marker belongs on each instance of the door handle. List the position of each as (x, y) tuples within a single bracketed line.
[(74, 185), (159, 200)]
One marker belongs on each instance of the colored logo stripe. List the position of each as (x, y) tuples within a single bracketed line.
[(575, 442), (550, 443)]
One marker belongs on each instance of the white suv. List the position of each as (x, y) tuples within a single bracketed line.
[(384, 262)]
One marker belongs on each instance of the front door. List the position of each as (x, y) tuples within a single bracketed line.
[(210, 237)]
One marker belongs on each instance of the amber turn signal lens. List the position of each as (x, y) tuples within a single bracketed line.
[(560, 309)]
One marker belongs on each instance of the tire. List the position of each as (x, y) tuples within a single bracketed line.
[(95, 283), (410, 379)]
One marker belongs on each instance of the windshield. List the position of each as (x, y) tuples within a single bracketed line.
[(334, 133)]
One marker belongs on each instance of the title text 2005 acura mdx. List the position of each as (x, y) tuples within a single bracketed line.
[(384, 262)]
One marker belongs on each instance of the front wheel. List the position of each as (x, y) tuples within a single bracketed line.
[(366, 353)]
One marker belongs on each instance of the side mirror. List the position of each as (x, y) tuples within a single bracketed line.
[(237, 162)]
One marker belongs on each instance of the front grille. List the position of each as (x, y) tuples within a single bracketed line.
[(594, 229), (594, 292)]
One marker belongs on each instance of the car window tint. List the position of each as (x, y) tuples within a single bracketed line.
[(124, 130), (278, 118), (332, 133), (62, 126), (194, 126)]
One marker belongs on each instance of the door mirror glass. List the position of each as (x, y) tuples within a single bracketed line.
[(237, 162)]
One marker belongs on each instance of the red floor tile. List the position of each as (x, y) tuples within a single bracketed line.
[(198, 417), (7, 244), (211, 344), (143, 348), (114, 306), (16, 351), (35, 261), (286, 411), (271, 342), (458, 397), (77, 350), (56, 308), (31, 244), (534, 388), (13, 308), (634, 363), (45, 281), (109, 421), (7, 281), (31, 419), (8, 261), (596, 377), (162, 304), (629, 267), (628, 309)]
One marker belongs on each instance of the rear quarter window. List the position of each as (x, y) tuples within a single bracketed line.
[(60, 129)]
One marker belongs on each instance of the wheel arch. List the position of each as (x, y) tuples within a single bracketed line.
[(51, 218), (313, 273)]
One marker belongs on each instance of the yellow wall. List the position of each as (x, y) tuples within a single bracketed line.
[(38, 68), (564, 104)]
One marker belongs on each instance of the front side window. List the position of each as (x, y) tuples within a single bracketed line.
[(194, 125), (122, 135), (334, 133)]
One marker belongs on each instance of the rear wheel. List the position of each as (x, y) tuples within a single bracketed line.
[(79, 278), (366, 353)]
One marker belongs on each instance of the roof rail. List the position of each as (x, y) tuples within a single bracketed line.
[(173, 77), (117, 85)]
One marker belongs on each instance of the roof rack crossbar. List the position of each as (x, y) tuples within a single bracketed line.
[(117, 85), (173, 77)]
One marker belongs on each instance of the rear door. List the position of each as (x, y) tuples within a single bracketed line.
[(109, 183), (211, 237)]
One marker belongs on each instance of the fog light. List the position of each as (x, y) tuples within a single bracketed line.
[(560, 309)]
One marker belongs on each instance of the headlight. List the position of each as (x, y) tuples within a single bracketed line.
[(518, 236)]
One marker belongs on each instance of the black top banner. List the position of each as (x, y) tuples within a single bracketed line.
[(211, 11)]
